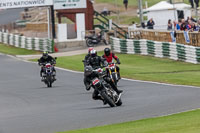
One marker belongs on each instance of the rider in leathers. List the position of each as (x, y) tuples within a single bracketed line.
[(110, 57), (96, 62), (46, 58), (85, 63)]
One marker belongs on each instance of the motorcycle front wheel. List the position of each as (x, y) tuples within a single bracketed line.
[(114, 78), (119, 103), (49, 81)]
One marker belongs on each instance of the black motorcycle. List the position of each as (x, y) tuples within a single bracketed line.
[(48, 75), (95, 39), (108, 94)]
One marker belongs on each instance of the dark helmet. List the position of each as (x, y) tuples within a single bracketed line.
[(88, 70), (107, 51), (45, 55), (93, 53)]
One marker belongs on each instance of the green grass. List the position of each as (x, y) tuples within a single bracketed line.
[(123, 19), (187, 122), (145, 68), (6, 49)]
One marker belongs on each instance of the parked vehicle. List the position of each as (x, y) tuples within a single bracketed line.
[(95, 39)]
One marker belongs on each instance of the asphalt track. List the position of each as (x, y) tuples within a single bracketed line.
[(27, 106)]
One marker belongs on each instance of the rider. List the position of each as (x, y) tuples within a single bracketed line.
[(109, 56), (85, 80), (46, 58), (88, 55), (95, 62)]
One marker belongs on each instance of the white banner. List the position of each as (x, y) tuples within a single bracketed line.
[(69, 4), (5, 4)]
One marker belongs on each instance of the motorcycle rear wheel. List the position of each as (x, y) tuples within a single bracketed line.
[(89, 43)]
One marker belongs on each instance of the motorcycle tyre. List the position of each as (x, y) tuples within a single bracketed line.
[(114, 79), (49, 82), (89, 43), (108, 99), (119, 103)]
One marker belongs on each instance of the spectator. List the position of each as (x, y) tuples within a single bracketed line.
[(198, 25), (183, 26), (132, 28), (105, 11), (193, 27), (133, 25), (194, 1), (125, 4), (193, 20), (150, 24), (177, 25), (143, 25), (169, 25), (189, 25)]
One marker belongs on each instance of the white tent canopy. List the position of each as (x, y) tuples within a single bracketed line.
[(164, 5)]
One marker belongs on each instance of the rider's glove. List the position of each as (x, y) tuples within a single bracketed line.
[(118, 62)]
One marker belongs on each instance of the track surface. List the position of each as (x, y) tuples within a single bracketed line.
[(27, 106)]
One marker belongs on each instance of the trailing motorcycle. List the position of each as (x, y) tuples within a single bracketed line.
[(111, 70), (107, 93), (95, 40)]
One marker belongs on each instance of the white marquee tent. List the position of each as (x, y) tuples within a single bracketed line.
[(163, 11)]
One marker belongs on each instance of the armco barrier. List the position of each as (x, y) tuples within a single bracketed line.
[(41, 44), (170, 50)]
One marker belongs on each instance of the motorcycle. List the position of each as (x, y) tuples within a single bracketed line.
[(108, 94), (112, 72), (95, 40), (48, 75)]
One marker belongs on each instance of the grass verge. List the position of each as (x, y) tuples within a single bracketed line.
[(7, 49), (187, 122), (145, 68)]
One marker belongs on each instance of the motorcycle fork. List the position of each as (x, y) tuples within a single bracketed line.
[(111, 76), (116, 73)]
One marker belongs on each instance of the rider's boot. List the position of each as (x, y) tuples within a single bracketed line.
[(87, 86), (54, 75), (115, 88), (118, 74)]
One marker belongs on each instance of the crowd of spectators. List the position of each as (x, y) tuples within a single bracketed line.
[(189, 24)]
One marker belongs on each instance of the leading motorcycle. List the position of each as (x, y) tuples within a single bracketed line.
[(48, 75), (108, 94)]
